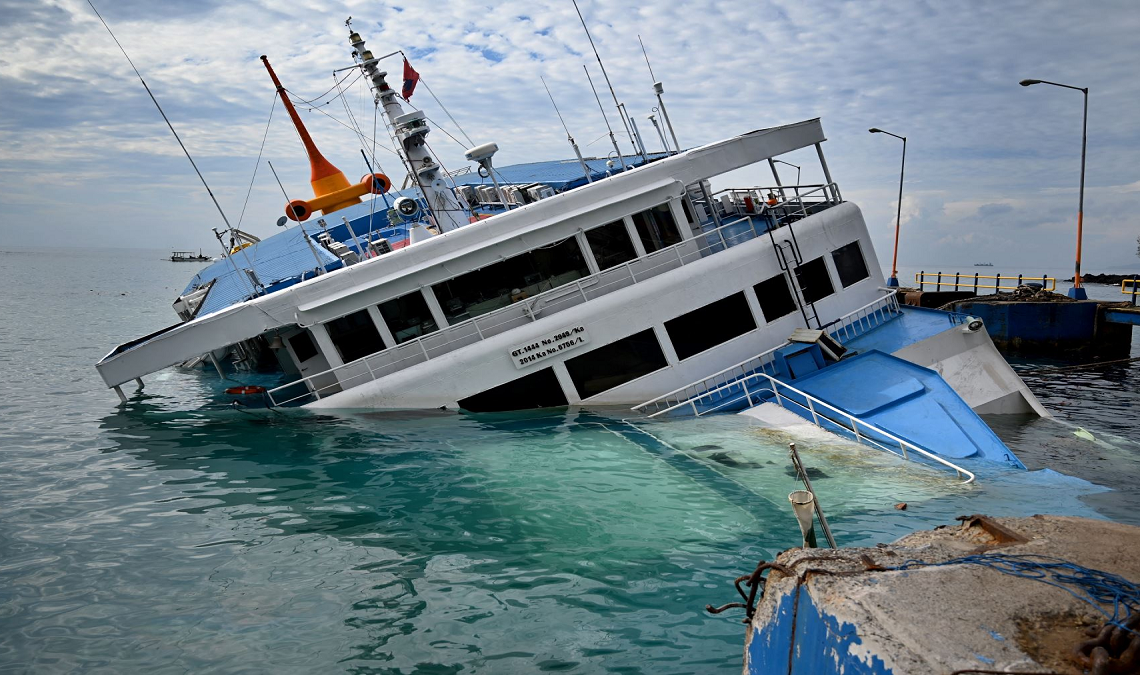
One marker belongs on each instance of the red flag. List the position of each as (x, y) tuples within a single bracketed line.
[(411, 77)]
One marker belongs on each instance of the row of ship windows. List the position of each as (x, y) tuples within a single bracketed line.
[(611, 365), (629, 358), (508, 281), (505, 282)]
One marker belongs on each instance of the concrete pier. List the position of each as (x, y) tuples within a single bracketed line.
[(845, 611)]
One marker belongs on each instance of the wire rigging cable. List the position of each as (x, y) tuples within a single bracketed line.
[(163, 113), (260, 150)]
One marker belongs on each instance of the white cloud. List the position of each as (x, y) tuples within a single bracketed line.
[(943, 74)]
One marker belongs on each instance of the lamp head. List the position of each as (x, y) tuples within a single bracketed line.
[(1026, 83), (875, 130)]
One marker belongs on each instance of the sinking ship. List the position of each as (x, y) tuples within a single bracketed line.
[(636, 280)]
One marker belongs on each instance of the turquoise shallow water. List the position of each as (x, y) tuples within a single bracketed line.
[(171, 535)]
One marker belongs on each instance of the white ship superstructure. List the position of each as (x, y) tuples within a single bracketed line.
[(622, 288)]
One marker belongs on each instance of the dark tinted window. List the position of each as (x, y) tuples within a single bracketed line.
[(303, 347), (688, 208), (408, 317), (813, 280), (616, 363), (511, 280), (540, 389), (656, 228), (849, 264), (775, 297), (354, 336), (710, 325), (610, 244)]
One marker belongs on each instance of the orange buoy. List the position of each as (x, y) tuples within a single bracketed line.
[(246, 390)]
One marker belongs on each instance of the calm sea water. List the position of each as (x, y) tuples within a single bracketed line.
[(171, 534)]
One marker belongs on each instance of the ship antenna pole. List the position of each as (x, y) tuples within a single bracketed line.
[(659, 90), (621, 109), (608, 128), (646, 55), (569, 138)]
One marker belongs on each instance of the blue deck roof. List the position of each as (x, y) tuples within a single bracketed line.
[(561, 174), (285, 258)]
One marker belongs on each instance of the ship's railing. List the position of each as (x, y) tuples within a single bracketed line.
[(569, 295), (850, 325), (972, 282), (757, 386), (792, 201), (678, 398), (871, 315)]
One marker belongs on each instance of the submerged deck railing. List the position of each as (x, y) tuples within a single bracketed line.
[(846, 327), (819, 412), (757, 385), (475, 329), (975, 281)]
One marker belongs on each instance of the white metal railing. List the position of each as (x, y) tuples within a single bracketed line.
[(850, 325), (871, 315), (816, 408), (679, 397), (475, 329)]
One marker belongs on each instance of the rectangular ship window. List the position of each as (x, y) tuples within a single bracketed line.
[(815, 284), (539, 389), (611, 244), (850, 264), (303, 347), (507, 281), (656, 228), (708, 326), (775, 297), (355, 336), (616, 363), (408, 317)]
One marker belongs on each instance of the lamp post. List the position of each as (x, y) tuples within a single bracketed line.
[(1077, 292), (893, 282)]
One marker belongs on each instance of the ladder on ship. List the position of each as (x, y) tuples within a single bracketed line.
[(790, 260)]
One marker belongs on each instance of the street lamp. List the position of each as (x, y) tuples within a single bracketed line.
[(1076, 292), (893, 282)]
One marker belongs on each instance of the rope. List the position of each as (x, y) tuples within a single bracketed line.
[(1092, 587), (1062, 369), (343, 124), (259, 151), (446, 112), (308, 101)]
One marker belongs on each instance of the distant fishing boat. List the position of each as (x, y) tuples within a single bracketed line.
[(188, 256), (983, 264)]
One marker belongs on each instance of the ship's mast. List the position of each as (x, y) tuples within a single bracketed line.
[(410, 130)]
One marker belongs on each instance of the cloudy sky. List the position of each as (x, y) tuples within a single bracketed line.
[(992, 172)]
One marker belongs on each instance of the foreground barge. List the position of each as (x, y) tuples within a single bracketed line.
[(939, 602)]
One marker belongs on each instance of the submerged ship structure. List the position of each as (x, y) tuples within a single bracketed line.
[(587, 282)]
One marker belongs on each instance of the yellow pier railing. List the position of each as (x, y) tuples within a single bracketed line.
[(1130, 287), (973, 282)]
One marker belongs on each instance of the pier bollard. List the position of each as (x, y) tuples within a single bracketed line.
[(803, 504)]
